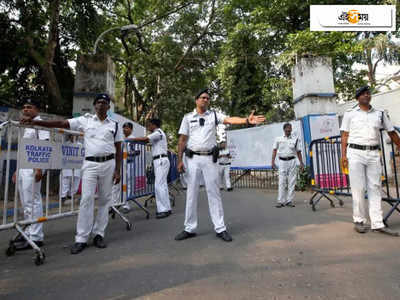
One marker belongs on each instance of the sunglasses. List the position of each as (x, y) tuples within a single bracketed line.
[(202, 121)]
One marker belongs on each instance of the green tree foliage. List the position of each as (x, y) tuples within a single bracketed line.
[(40, 38), (242, 50)]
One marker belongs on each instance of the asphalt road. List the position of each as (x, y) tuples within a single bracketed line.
[(285, 253)]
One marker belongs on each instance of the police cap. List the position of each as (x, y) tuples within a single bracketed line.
[(103, 96), (201, 92), (128, 124), (362, 90), (30, 101)]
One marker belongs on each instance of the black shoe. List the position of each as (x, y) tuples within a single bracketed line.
[(184, 235), (63, 199), (25, 245), (386, 230), (98, 241), (360, 227), (279, 205), (290, 204), (78, 247), (229, 189), (162, 215), (225, 236), (169, 212)]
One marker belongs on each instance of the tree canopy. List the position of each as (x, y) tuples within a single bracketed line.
[(242, 50)]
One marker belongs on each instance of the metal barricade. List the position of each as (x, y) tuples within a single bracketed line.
[(254, 178), (14, 214), (327, 177), (173, 176), (53, 155), (138, 175), (330, 181)]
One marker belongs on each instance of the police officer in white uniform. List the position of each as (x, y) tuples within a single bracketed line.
[(116, 192), (224, 162), (198, 135), (161, 163), (101, 168), (287, 147), (360, 154), (29, 182), (70, 178)]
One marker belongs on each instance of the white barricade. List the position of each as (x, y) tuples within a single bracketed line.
[(54, 153)]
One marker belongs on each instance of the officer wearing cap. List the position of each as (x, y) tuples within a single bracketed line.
[(360, 154), (159, 151), (287, 147), (101, 168), (198, 136), (29, 181)]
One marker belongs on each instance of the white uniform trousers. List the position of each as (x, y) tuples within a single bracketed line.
[(365, 172), (224, 173), (203, 167), (67, 188), (31, 199), (94, 174), (287, 180), (161, 169)]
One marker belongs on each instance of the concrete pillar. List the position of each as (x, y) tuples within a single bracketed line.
[(313, 89), (94, 74)]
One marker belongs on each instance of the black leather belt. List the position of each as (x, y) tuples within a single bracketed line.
[(159, 156), (361, 147), (224, 164), (202, 152), (287, 158), (99, 158)]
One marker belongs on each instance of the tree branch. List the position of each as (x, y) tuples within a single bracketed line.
[(197, 40)]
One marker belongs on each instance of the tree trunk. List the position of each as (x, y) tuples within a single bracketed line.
[(371, 73)]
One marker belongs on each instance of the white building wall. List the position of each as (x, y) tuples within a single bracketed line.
[(312, 75)]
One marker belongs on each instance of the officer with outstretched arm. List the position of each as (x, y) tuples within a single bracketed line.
[(198, 136), (101, 168)]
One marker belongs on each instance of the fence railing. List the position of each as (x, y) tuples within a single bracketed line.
[(254, 178), (54, 154)]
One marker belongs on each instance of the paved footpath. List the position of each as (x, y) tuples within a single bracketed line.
[(285, 253)]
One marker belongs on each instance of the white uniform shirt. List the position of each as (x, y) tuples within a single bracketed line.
[(224, 159), (99, 135), (287, 146), (30, 133), (363, 126), (159, 143), (201, 138)]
